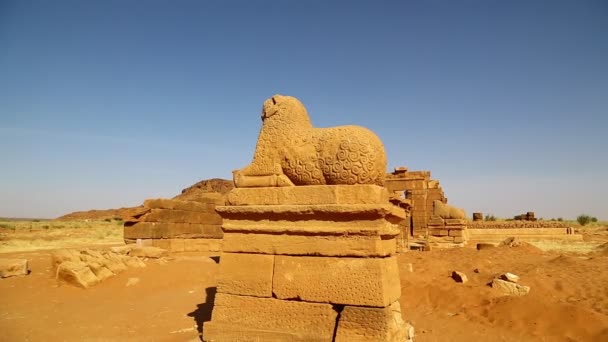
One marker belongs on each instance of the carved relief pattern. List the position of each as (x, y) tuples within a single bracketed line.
[(316, 156)]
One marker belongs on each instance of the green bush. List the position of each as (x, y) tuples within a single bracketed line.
[(560, 219), (583, 219), (594, 219), (490, 218)]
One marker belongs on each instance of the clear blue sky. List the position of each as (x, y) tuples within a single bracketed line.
[(106, 103)]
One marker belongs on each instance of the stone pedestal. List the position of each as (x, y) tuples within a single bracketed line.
[(308, 263)]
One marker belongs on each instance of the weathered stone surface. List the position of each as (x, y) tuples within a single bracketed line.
[(509, 277), (163, 203), (350, 281), (336, 224), (290, 151), (101, 272), (121, 249), (246, 274), (459, 277), (180, 216), (227, 332), (338, 194), (14, 267), (510, 288), (447, 211), (455, 232), (76, 273), (114, 264), (259, 319), (166, 230), (202, 245), (62, 255), (455, 222), (372, 324), (148, 252), (320, 245)]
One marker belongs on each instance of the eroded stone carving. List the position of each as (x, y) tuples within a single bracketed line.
[(446, 211), (290, 151)]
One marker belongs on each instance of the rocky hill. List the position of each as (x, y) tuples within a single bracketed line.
[(206, 185)]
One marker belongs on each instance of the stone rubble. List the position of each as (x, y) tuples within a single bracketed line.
[(14, 267), (85, 268)]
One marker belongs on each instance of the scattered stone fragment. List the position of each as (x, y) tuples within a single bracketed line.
[(100, 271), (409, 267), (510, 288), (476, 270), (509, 277), (459, 277), (62, 255), (76, 273), (114, 264), (121, 249), (14, 267), (134, 262), (148, 252)]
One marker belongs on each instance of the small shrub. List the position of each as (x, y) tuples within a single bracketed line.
[(560, 219), (108, 220), (46, 226), (594, 219), (490, 218), (6, 226), (583, 219)]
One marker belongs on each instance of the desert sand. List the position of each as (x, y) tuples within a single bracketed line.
[(170, 298)]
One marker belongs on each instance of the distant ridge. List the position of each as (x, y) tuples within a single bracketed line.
[(206, 185)]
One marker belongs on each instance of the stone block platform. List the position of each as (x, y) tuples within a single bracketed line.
[(308, 263)]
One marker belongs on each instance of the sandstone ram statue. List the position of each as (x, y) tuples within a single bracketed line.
[(290, 151)]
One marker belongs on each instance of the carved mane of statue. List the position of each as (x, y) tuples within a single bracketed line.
[(290, 151)]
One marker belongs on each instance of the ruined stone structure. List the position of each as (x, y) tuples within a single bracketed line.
[(178, 225), (314, 262), (432, 219)]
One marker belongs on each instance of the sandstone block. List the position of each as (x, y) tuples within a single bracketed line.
[(372, 324), (436, 222), (14, 267), (100, 271), (455, 222), (76, 273), (314, 194), (477, 216), (209, 198), (267, 317), (181, 216), (161, 203), (509, 277), (114, 264), (246, 274), (459, 239), (202, 245), (455, 232), (228, 332), (443, 232), (510, 288), (351, 281), (148, 252), (319, 245), (62, 255)]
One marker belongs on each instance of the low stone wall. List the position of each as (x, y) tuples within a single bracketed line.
[(497, 235), (515, 224), (178, 225), (445, 233)]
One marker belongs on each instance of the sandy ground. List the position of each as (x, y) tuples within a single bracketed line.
[(568, 300)]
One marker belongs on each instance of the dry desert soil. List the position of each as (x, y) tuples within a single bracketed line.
[(170, 298)]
